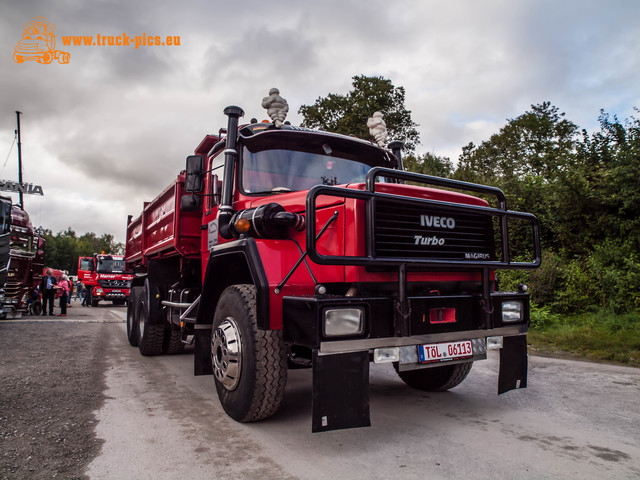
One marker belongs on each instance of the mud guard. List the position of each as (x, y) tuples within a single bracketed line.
[(202, 351), (513, 364), (340, 391)]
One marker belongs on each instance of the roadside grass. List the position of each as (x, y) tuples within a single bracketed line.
[(599, 335)]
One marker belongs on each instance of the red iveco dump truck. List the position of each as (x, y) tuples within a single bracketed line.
[(282, 247), (105, 276)]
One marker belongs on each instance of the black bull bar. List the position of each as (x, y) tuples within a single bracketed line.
[(352, 409)]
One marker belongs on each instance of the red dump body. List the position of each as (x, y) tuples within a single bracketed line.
[(163, 230)]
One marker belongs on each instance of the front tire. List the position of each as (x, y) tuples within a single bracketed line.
[(436, 379), (249, 365)]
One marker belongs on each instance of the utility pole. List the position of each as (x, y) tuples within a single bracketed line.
[(19, 159)]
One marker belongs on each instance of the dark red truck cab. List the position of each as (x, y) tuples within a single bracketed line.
[(287, 247), (26, 258)]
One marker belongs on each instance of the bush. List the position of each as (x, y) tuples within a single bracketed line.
[(544, 282), (608, 279)]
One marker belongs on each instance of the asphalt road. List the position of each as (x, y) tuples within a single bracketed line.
[(576, 420)]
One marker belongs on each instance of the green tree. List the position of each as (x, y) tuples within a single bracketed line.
[(63, 249), (530, 158), (584, 191), (348, 114), (429, 164)]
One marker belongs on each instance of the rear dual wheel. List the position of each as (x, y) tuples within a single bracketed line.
[(133, 332), (172, 339), (151, 329), (249, 364), (151, 337)]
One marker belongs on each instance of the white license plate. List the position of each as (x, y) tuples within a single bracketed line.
[(115, 291), (442, 352)]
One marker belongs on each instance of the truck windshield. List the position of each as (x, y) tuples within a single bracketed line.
[(110, 266), (274, 170)]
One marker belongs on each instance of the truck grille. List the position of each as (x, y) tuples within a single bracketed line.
[(410, 230), (12, 289), (114, 283)]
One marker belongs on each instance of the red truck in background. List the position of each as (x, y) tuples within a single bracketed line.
[(26, 259), (105, 277), (289, 247)]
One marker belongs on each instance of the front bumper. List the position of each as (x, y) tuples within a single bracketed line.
[(303, 322), (111, 295), (341, 364)]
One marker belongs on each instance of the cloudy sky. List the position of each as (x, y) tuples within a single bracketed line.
[(111, 128)]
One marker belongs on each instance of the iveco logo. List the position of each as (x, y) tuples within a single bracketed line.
[(437, 222)]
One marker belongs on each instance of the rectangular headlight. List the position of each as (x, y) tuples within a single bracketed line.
[(386, 355), (339, 322), (511, 312), (494, 343)]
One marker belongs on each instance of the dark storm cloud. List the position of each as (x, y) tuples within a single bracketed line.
[(265, 55), (119, 121)]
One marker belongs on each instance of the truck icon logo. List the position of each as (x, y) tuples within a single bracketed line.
[(38, 43)]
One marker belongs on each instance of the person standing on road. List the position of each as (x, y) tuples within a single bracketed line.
[(64, 285), (78, 290), (47, 289), (70, 294), (86, 301)]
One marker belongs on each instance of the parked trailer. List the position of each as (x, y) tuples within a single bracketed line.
[(284, 247)]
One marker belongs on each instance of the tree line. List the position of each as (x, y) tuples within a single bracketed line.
[(582, 186), (62, 250)]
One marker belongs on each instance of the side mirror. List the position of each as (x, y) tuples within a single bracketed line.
[(194, 181), (190, 203)]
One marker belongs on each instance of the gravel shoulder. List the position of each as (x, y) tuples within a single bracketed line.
[(51, 384)]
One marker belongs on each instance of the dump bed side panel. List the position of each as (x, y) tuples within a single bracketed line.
[(162, 229), (133, 244), (158, 221)]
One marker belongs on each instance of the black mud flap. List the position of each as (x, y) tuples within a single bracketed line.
[(513, 364), (202, 353), (340, 391)]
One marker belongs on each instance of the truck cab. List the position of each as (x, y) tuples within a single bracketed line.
[(106, 278), (26, 257)]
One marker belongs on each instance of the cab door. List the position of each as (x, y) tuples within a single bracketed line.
[(86, 271), (213, 188)]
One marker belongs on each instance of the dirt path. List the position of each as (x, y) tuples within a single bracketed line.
[(51, 383)]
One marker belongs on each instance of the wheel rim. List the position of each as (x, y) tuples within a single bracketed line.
[(226, 353)]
